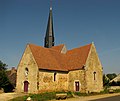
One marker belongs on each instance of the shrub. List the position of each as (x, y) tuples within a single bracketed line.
[(69, 94), (81, 94)]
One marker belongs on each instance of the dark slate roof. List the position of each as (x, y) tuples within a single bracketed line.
[(49, 31), (49, 38)]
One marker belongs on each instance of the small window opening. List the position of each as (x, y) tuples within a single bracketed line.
[(55, 76), (26, 71), (94, 73)]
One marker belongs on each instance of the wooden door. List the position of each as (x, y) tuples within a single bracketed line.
[(26, 86), (77, 86)]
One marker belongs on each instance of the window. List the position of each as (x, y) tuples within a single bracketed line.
[(55, 76), (77, 86), (94, 73), (26, 71)]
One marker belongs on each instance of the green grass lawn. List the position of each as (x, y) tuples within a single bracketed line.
[(52, 95), (36, 97), (41, 97)]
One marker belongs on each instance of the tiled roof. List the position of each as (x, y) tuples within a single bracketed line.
[(53, 59), (77, 57), (46, 58), (58, 48)]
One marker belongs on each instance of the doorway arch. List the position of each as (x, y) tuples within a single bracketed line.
[(26, 83)]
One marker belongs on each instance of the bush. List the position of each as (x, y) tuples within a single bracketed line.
[(113, 83), (69, 94), (81, 94), (4, 82), (105, 91), (117, 91)]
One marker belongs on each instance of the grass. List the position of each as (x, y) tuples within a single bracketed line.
[(22, 98), (69, 94), (36, 97), (52, 95), (117, 91), (41, 97)]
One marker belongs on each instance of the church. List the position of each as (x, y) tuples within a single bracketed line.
[(54, 68)]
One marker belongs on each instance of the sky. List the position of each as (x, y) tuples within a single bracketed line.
[(76, 23)]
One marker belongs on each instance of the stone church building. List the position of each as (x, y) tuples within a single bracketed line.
[(54, 68)]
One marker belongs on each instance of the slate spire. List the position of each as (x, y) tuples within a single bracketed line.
[(49, 37)]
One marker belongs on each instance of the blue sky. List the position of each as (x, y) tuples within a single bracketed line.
[(76, 23)]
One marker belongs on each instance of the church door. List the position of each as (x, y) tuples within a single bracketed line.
[(26, 86), (77, 86)]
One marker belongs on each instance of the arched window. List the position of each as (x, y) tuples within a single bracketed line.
[(26, 71), (77, 86), (55, 76), (94, 73)]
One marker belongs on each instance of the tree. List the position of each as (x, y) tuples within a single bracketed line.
[(111, 76), (2, 66), (106, 80), (4, 81), (113, 83)]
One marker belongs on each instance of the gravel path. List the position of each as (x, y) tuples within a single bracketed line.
[(8, 96), (88, 98)]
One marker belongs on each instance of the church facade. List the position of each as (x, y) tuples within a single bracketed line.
[(54, 68)]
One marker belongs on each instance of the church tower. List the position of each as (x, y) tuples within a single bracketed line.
[(49, 37)]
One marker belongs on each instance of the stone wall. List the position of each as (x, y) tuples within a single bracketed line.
[(48, 83), (27, 61), (114, 87), (79, 76), (49, 80), (94, 73)]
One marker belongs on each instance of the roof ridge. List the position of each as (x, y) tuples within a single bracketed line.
[(58, 48), (80, 47), (39, 46)]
